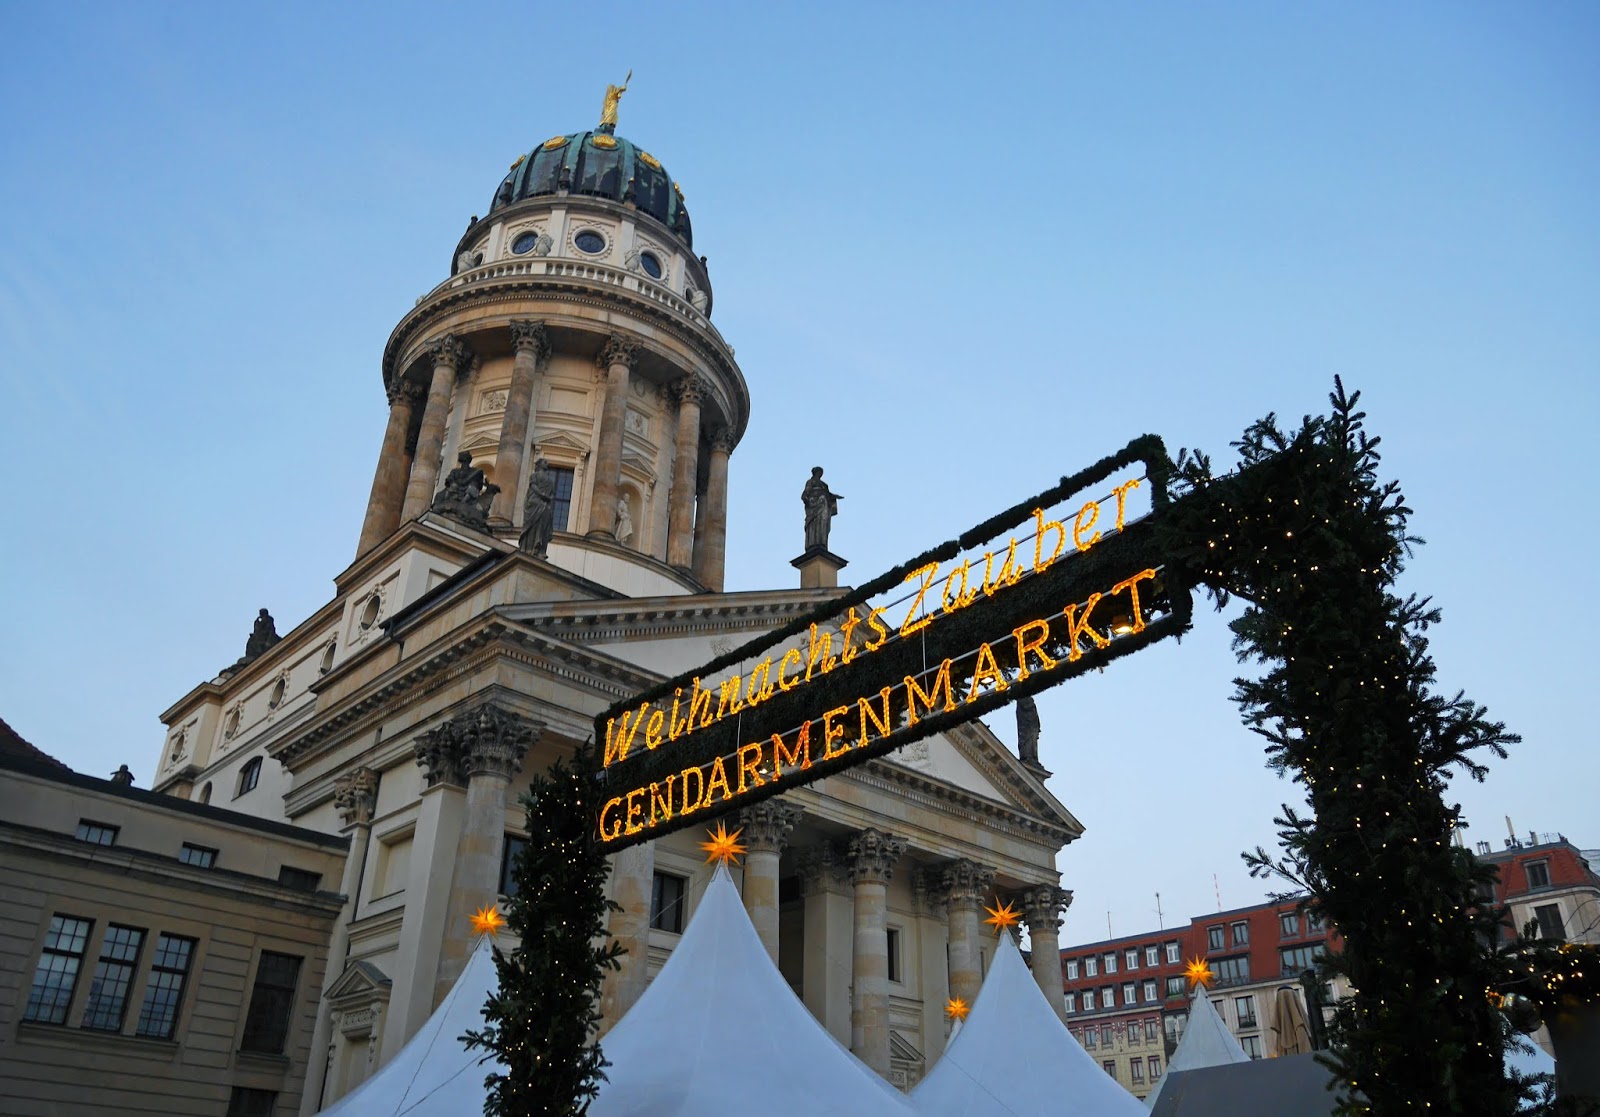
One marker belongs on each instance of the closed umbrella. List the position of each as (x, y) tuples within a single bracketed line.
[(1289, 1023)]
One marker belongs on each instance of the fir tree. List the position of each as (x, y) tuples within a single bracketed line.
[(547, 1009)]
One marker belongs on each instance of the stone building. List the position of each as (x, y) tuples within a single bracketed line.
[(493, 607), (156, 955)]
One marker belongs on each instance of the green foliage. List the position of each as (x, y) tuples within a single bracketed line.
[(1309, 536), (541, 1021)]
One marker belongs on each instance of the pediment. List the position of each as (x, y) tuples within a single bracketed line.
[(361, 981), (563, 441), (482, 441), (900, 1048), (972, 758)]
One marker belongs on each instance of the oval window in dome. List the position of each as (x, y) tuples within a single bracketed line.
[(524, 243), (651, 265), (590, 241)]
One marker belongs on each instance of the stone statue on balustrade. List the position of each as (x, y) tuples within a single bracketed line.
[(539, 510), (466, 496), (624, 531), (822, 505), (1027, 730)]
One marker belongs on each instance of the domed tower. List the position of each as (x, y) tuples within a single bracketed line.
[(574, 329)]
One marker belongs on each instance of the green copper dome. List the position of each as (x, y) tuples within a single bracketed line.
[(602, 165)]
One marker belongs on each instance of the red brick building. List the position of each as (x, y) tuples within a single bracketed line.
[(1548, 881)]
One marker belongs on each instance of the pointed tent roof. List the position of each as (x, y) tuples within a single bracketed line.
[(1206, 1042), (434, 1075), (719, 1033), (1013, 1055)]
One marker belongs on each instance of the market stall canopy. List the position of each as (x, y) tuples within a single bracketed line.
[(1206, 1043), (719, 1033), (1013, 1055)]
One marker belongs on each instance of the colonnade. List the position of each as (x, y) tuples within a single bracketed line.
[(408, 470)]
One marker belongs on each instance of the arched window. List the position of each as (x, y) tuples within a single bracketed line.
[(249, 776)]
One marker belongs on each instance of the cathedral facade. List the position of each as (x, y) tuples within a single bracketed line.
[(546, 535)]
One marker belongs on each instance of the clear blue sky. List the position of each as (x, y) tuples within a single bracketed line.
[(959, 252)]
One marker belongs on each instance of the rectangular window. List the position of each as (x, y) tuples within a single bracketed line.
[(1289, 924), (1550, 923), (1251, 1045), (1133, 1033), (1174, 1026), (1110, 1067), (1136, 1070), (1314, 919), (1130, 959), (97, 833), (1071, 1000), (198, 856), (563, 501), (1108, 997), (1108, 1036), (1091, 967), (57, 975), (1111, 964), (1245, 1010), (894, 953), (1130, 994), (266, 1022), (1241, 934), (1232, 971), (303, 880), (1172, 952), (1175, 986), (1149, 990), (1152, 1031), (169, 969), (1091, 1038), (108, 988), (246, 1102), (508, 867), (1214, 940), (1152, 956), (1154, 1063), (666, 903), (1298, 959), (1088, 1000), (1072, 969), (1538, 872)]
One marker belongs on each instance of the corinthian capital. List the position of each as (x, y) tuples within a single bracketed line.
[(450, 352), (767, 825), (1042, 907), (527, 336), (496, 741), (690, 389), (873, 854), (821, 869), (355, 794), (441, 753), (618, 350), (966, 883), (406, 392), (723, 440)]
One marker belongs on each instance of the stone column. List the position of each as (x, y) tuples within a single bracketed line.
[(685, 468), (872, 857), (825, 977), (1042, 907), (712, 556), (966, 885), (487, 746), (933, 973), (355, 794), (633, 873), (766, 827), (616, 357), (389, 480), (448, 355), (530, 343)]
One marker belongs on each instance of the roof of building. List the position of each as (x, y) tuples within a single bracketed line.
[(1291, 1086), (1206, 1042), (14, 747), (600, 164)]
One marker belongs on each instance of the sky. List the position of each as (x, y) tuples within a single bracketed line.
[(959, 252)]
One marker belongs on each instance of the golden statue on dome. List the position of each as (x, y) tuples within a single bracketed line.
[(608, 111)]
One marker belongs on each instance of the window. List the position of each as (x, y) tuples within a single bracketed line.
[(562, 507), (1111, 963), (302, 879), (1108, 999), (97, 833), (894, 953), (1172, 952), (205, 794), (1251, 1045), (1110, 1067), (1149, 990), (1289, 924), (1154, 1063), (369, 612), (1130, 994), (1245, 1009), (108, 988), (1538, 874), (1108, 1036), (651, 265), (1091, 1038), (1130, 960), (590, 241), (1550, 923), (1233, 971), (1072, 969), (524, 243), (1314, 919), (1136, 1071), (266, 1022), (247, 1102), (1298, 959), (1071, 1000), (275, 699), (1241, 934), (666, 903), (1174, 1026), (1088, 1000), (169, 969), (1175, 986), (1214, 938), (508, 858), (57, 976), (1091, 967), (1152, 1031), (1151, 956), (198, 856), (249, 776), (327, 658), (1133, 1033)]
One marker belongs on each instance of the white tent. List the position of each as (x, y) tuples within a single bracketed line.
[(719, 1033), (1206, 1042), (434, 1075), (1014, 1056)]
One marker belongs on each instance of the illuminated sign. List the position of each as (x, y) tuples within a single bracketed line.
[(960, 630)]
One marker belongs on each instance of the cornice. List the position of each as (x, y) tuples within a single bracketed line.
[(940, 794), (978, 744)]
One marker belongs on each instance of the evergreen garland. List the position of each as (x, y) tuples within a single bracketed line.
[(1313, 541), (542, 1019)]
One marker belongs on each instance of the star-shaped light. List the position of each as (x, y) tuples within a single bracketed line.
[(1002, 915), (487, 920), (1198, 972), (723, 846), (956, 1009)]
